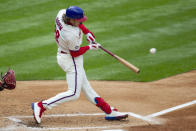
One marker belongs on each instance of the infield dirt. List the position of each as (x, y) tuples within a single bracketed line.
[(142, 98)]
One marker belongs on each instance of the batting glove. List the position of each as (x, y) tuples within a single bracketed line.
[(94, 46), (90, 37)]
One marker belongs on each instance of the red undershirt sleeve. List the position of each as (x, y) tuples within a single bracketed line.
[(84, 29), (79, 52)]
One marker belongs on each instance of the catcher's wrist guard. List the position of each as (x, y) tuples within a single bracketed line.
[(8, 80)]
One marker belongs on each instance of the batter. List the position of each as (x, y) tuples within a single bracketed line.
[(69, 30)]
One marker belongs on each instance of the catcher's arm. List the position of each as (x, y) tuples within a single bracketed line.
[(1, 86)]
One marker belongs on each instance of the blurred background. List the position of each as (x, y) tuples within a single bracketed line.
[(128, 28)]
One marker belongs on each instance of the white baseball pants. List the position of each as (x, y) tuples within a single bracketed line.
[(76, 80)]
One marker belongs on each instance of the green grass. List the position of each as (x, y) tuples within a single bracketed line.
[(128, 28)]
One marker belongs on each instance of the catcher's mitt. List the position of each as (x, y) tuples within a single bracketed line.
[(8, 80)]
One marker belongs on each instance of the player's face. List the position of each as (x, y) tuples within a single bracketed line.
[(74, 22)]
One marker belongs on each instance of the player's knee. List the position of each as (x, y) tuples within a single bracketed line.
[(76, 95)]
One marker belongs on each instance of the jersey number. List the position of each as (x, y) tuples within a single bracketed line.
[(57, 34)]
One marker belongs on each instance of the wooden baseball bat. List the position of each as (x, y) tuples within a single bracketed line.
[(123, 61)]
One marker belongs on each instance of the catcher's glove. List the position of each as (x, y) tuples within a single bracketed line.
[(8, 80)]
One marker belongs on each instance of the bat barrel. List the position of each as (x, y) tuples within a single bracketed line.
[(124, 62), (127, 64)]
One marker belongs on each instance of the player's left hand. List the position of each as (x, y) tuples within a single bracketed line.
[(90, 37), (94, 46), (98, 44)]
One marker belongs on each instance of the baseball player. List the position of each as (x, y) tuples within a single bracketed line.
[(68, 34)]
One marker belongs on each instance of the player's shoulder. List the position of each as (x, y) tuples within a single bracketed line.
[(69, 29), (69, 32), (61, 13)]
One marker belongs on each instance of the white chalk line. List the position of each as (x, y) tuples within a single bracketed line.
[(171, 109), (17, 119), (14, 118), (148, 118), (63, 115), (114, 130), (15, 127)]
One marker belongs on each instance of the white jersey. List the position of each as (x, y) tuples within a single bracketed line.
[(67, 37)]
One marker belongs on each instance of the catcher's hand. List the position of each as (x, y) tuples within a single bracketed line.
[(8, 80)]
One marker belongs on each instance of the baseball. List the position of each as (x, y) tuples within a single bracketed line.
[(153, 50)]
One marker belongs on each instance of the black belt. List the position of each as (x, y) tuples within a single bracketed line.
[(64, 52)]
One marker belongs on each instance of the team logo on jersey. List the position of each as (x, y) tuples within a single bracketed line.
[(77, 47), (59, 23)]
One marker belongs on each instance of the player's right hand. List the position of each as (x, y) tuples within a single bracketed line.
[(90, 37), (94, 46)]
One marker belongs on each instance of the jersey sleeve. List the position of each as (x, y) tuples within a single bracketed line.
[(81, 51), (84, 29)]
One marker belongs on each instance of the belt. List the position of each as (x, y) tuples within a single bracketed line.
[(64, 52)]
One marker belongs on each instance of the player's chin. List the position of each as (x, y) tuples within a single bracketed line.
[(76, 24)]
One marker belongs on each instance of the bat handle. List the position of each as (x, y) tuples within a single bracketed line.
[(104, 49), (107, 51)]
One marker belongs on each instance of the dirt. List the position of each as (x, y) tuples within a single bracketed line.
[(142, 98)]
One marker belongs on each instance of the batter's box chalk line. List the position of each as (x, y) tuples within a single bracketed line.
[(20, 124), (171, 109), (151, 119)]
